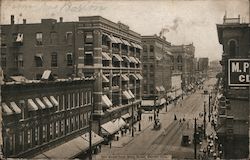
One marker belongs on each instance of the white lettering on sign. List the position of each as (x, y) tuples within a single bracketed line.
[(245, 66), (236, 67), (244, 78)]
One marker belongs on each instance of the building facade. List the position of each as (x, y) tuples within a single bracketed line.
[(40, 116), (183, 62), (203, 67), (111, 52), (233, 127), (29, 49), (157, 70)]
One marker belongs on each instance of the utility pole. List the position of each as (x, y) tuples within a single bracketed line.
[(154, 107), (209, 109), (132, 119), (195, 138)]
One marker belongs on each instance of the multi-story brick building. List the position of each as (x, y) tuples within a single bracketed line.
[(233, 120), (183, 61), (29, 49), (157, 69), (40, 118), (112, 53)]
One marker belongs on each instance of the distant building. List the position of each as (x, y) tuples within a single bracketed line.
[(157, 69), (183, 62), (233, 119), (203, 66), (214, 68)]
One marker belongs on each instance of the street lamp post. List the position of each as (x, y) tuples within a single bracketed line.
[(204, 120), (132, 119), (195, 138), (154, 108), (209, 109)]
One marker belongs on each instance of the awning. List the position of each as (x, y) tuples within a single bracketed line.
[(15, 108), (157, 88), (126, 116), (105, 56), (139, 76), (40, 56), (133, 60), (126, 42), (46, 74), (118, 40), (134, 76), (126, 59), (40, 103), (163, 101), (124, 77), (105, 79), (31, 105), (95, 138), (126, 95), (120, 123), (72, 148), (47, 102), (139, 46), (117, 57), (18, 78), (106, 101), (138, 60), (6, 110), (54, 101), (133, 44), (109, 128), (131, 94), (162, 88), (158, 58), (147, 103), (110, 38)]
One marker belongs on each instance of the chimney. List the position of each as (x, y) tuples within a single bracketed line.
[(12, 19), (24, 21), (61, 19)]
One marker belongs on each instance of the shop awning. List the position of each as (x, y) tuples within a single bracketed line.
[(47, 102), (105, 56), (19, 78), (139, 76), (106, 101), (134, 45), (31, 105), (139, 46), (15, 108), (95, 138), (124, 77), (131, 94), (6, 110), (147, 103), (40, 103), (163, 101), (133, 59), (110, 38), (54, 101), (126, 116), (72, 148), (118, 40), (126, 95), (157, 88), (125, 42), (162, 88), (105, 79), (120, 123), (109, 128), (117, 57), (126, 59)]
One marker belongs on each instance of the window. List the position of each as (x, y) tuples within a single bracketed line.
[(39, 60), (232, 48), (69, 104), (89, 37), (145, 48), (20, 60), (29, 138), (151, 49), (53, 38), (3, 60), (39, 38), (57, 128), (51, 130), (3, 39), (36, 136), (62, 127), (88, 60), (69, 37), (20, 141), (69, 59), (44, 132), (179, 59), (54, 59)]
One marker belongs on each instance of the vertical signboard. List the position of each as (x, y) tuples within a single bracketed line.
[(238, 72)]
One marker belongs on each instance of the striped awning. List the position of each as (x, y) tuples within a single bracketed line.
[(6, 110), (117, 57)]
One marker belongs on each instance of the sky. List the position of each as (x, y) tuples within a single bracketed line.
[(183, 21)]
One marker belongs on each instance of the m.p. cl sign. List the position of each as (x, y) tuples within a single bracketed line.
[(238, 72)]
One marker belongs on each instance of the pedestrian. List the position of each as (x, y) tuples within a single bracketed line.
[(110, 144), (175, 118), (180, 120), (148, 118)]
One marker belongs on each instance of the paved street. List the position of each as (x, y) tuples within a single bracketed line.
[(167, 140)]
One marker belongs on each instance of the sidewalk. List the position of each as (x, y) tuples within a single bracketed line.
[(125, 139)]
